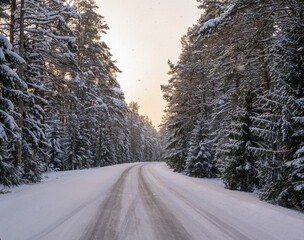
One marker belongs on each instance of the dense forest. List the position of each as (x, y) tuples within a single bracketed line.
[(61, 107), (235, 99)]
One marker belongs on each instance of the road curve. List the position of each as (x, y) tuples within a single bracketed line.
[(144, 204)]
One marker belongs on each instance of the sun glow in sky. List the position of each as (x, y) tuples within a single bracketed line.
[(143, 35)]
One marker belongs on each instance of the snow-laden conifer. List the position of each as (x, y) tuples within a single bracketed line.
[(237, 162), (200, 160), (11, 92)]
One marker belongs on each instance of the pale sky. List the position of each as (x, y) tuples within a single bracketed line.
[(143, 35)]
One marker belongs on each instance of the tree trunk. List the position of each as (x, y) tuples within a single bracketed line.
[(73, 150), (13, 21), (266, 71), (99, 150), (21, 73)]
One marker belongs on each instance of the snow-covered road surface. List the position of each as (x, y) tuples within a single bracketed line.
[(142, 201)]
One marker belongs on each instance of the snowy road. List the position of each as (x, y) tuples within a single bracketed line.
[(140, 201)]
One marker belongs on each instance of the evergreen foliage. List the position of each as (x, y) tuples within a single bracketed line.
[(67, 108), (235, 99), (11, 92), (238, 164), (200, 161)]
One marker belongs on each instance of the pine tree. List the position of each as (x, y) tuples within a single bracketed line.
[(287, 72), (200, 161), (55, 152), (11, 92), (238, 164), (136, 126), (152, 149), (4, 4), (121, 132), (44, 28), (183, 106)]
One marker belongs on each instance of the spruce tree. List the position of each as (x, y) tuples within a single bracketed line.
[(54, 134), (287, 73), (44, 27), (200, 161), (11, 93), (238, 163)]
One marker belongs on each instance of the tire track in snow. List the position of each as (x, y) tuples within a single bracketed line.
[(221, 225), (105, 224), (64, 219), (130, 222), (165, 224)]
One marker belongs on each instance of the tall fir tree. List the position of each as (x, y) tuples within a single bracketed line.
[(282, 170), (200, 160), (11, 92), (238, 163)]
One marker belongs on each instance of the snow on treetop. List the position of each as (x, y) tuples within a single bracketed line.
[(212, 23), (300, 151), (7, 71), (89, 73), (103, 106), (2, 57), (116, 102), (17, 58), (5, 41), (3, 135), (7, 50), (68, 55), (117, 90), (9, 121)]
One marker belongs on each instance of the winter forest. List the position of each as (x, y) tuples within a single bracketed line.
[(61, 107), (236, 99)]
